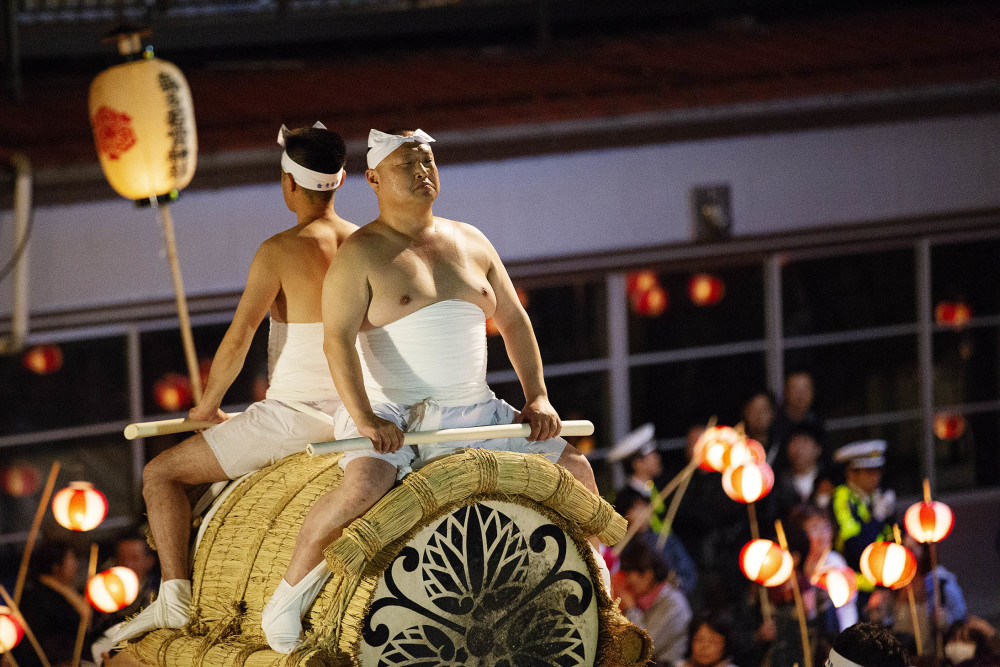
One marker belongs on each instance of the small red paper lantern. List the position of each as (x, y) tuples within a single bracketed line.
[(43, 359), (704, 289), (929, 522), (79, 506), (11, 631), (888, 564), (949, 426), (840, 583), (952, 314), (712, 446), (649, 303), (113, 589), (20, 479), (746, 450), (641, 281), (173, 392), (748, 482), (765, 563)]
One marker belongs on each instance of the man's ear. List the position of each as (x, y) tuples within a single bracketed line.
[(292, 185), (372, 177)]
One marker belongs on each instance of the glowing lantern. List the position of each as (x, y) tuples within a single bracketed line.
[(20, 479), (705, 289), (748, 482), (650, 303), (765, 563), (745, 450), (712, 446), (641, 281), (113, 589), (491, 327), (929, 521), (172, 392), (585, 445), (43, 359), (79, 506), (952, 314), (888, 564), (840, 583), (948, 426), (10, 630)]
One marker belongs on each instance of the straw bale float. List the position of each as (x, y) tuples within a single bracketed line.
[(479, 558)]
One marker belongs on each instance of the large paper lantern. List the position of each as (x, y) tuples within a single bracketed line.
[(840, 583), (704, 289), (765, 562), (79, 506), (711, 447), (43, 359), (888, 564), (11, 631), (744, 450), (20, 479), (173, 392), (748, 482), (649, 303), (143, 121), (929, 521), (113, 589)]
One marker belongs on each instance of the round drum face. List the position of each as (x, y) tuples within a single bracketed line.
[(490, 584)]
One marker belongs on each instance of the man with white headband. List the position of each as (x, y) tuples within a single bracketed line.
[(286, 279), (867, 645), (404, 307)]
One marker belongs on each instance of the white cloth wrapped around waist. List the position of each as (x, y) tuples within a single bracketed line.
[(436, 352), (296, 364)]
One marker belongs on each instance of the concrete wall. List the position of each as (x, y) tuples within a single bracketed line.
[(109, 252)]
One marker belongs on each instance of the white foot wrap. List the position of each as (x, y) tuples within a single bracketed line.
[(170, 609), (281, 619), (603, 567)]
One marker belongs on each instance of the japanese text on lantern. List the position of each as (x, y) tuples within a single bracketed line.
[(175, 119)]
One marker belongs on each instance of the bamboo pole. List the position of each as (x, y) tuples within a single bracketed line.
[(766, 611), (935, 585), (917, 635), (633, 529), (24, 625), (36, 524), (800, 609), (187, 339), (166, 427), (675, 504), (81, 631)]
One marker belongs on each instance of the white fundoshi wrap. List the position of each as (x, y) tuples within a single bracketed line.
[(837, 660), (307, 178), (381, 144)]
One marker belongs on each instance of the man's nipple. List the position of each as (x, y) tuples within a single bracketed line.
[(405, 299)]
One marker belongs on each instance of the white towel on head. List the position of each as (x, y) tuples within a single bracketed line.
[(381, 144)]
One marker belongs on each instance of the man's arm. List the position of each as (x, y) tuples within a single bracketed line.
[(519, 338), (263, 285), (346, 295)]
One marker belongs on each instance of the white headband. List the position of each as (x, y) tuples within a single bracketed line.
[(381, 144), (307, 178), (837, 660)]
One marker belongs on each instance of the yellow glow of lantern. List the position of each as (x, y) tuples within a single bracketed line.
[(766, 563), (113, 589), (949, 426), (743, 451), (11, 631), (711, 447), (748, 482), (43, 359), (20, 479), (651, 302), (704, 289), (840, 583), (929, 522), (79, 506), (641, 281), (888, 564)]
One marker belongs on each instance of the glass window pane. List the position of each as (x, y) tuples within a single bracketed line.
[(679, 395), (854, 292), (965, 452), (966, 366), (73, 384), (967, 273), (863, 378), (738, 315), (902, 472), (569, 324)]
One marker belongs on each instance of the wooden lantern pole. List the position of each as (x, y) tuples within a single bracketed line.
[(9, 601), (36, 524), (936, 585), (765, 603), (800, 609), (190, 356), (85, 618), (917, 635)]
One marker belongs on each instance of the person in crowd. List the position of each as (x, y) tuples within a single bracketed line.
[(796, 411), (285, 280), (709, 640), (816, 524), (683, 571), (867, 645), (132, 551), (652, 602), (972, 643), (802, 479), (637, 452), (758, 413)]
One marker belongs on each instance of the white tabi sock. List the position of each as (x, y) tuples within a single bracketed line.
[(170, 609), (281, 619), (602, 566)]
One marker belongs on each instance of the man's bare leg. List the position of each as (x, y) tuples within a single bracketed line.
[(364, 482), (165, 481), (579, 466)]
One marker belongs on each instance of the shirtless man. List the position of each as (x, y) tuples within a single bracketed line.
[(411, 292), (286, 278)]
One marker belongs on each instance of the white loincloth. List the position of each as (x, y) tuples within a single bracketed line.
[(300, 383), (427, 371)]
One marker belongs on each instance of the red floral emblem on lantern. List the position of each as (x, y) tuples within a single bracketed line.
[(113, 132)]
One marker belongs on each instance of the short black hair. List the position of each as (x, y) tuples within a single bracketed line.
[(316, 148), (719, 621), (871, 645), (638, 556), (49, 555)]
